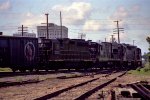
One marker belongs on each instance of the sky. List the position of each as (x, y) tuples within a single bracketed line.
[(94, 18)]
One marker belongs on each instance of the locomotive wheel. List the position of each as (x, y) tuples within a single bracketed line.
[(22, 70), (37, 70), (31, 69), (56, 70), (46, 70), (14, 69)]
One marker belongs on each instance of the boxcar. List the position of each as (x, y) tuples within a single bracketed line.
[(18, 53)]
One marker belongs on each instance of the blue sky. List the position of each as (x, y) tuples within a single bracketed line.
[(95, 18)]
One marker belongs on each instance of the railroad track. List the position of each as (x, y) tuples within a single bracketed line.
[(76, 91), (30, 81), (142, 90), (12, 74)]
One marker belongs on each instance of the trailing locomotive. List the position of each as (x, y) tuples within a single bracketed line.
[(24, 53)]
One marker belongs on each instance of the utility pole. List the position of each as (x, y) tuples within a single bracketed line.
[(82, 35), (61, 24), (47, 25), (118, 30), (22, 30), (133, 42), (99, 41), (105, 39), (112, 38)]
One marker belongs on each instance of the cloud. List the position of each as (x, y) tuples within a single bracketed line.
[(135, 8), (120, 13), (75, 13), (92, 25), (29, 14), (30, 19), (5, 6)]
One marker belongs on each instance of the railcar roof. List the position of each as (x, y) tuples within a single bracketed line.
[(6, 36)]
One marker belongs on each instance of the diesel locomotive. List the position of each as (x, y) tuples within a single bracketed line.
[(25, 53)]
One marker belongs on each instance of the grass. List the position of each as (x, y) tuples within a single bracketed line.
[(141, 71), (5, 70)]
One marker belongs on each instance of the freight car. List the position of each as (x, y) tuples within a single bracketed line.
[(24, 53), (18, 53)]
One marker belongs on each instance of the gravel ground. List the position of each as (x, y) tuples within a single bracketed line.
[(36, 77), (76, 92), (32, 91), (126, 79)]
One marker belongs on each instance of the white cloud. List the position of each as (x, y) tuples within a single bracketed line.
[(30, 20), (29, 14), (5, 6), (75, 13), (120, 13), (92, 25), (135, 8)]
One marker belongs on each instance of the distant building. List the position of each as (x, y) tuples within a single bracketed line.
[(25, 35), (54, 31)]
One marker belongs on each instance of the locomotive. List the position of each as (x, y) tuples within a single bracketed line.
[(25, 53)]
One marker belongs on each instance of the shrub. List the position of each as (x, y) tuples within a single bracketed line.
[(138, 69)]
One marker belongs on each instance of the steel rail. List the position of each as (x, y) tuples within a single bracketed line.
[(90, 92), (54, 94), (145, 93)]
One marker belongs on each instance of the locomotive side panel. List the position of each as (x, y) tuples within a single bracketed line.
[(130, 56), (106, 51), (138, 57), (115, 51)]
